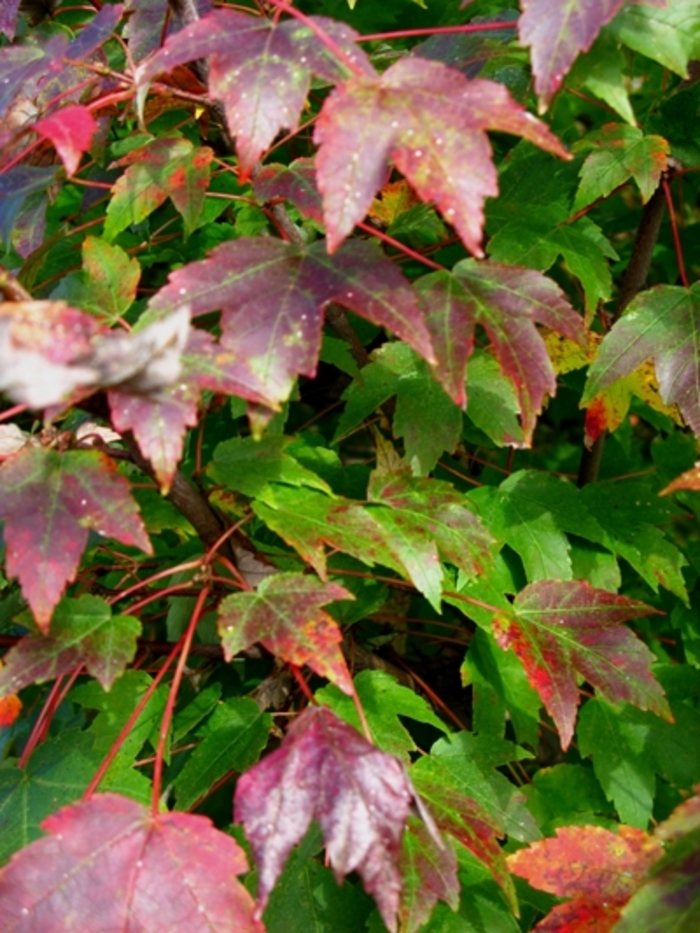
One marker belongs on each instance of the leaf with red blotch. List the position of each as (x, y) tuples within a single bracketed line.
[(462, 818), (259, 70), (284, 614), (507, 302), (168, 167), (655, 325), (272, 296), (49, 501), (359, 796), (83, 631), (560, 629), (598, 869), (10, 707), (429, 873), (70, 130), (295, 183), (431, 121), (116, 865), (619, 152)]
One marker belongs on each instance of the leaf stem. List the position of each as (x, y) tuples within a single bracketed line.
[(436, 31), (676, 236), (172, 697)]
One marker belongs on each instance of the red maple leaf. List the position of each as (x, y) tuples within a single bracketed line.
[(560, 629), (360, 796), (431, 121), (116, 866), (598, 869)]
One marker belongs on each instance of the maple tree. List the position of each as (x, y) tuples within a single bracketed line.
[(349, 421)]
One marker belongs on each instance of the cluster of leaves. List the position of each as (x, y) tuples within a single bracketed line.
[(301, 305)]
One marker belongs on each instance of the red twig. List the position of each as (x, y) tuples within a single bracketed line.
[(676, 236)]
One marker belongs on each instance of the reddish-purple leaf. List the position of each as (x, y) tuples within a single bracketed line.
[(8, 17), (431, 121), (272, 296), (159, 423), (259, 70), (83, 631), (596, 868), (295, 183), (168, 167), (285, 615), (49, 501), (110, 864), (556, 32), (429, 873), (70, 130), (21, 65), (658, 324), (507, 301), (359, 796), (560, 629)]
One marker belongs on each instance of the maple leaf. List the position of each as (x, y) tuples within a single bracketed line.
[(688, 480), (70, 130), (113, 863), (10, 708), (259, 70), (658, 324), (359, 796), (561, 628), (557, 32), (431, 121), (285, 616), (429, 873), (168, 167), (83, 631), (507, 301), (272, 295), (110, 279), (596, 868), (619, 152), (295, 182), (49, 501), (462, 818)]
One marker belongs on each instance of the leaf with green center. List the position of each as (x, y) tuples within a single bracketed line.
[(659, 324), (560, 629), (507, 302), (70, 131), (468, 763), (285, 615), (428, 873), (110, 858), (110, 279), (462, 818), (359, 796), (272, 296), (619, 152), (49, 501), (83, 631), (246, 465), (259, 70), (430, 120), (594, 867), (168, 167), (383, 701), (233, 738)]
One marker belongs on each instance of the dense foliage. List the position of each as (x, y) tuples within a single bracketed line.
[(348, 466)]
